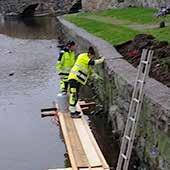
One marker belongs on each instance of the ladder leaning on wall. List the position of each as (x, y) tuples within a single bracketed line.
[(134, 110)]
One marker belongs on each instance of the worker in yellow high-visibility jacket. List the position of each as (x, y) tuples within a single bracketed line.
[(79, 75), (64, 64)]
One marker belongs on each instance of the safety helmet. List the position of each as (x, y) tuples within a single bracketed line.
[(91, 51), (70, 43)]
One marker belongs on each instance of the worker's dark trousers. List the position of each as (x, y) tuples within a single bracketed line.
[(74, 87)]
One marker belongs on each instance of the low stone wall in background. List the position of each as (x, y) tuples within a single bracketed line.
[(92, 5), (16, 7), (152, 138), (152, 3)]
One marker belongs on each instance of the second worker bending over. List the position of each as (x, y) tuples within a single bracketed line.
[(78, 76)]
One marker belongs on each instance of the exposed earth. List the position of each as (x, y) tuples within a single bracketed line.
[(160, 68)]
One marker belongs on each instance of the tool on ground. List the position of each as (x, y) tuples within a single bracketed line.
[(134, 110)]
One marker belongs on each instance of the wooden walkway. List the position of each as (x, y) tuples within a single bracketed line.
[(83, 150)]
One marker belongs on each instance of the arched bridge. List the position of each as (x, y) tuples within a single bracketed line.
[(29, 7)]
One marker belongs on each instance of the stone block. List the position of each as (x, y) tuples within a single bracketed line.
[(115, 92)]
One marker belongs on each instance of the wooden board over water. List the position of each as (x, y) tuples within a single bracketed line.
[(83, 151)]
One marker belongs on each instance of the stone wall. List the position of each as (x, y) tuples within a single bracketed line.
[(91, 5), (153, 3), (16, 7), (152, 142)]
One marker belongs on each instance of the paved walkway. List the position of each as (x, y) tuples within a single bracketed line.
[(114, 21)]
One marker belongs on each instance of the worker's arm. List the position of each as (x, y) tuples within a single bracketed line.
[(95, 62), (94, 75), (60, 61), (60, 55)]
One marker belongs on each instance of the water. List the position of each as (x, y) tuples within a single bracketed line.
[(105, 139), (28, 53), (27, 142), (43, 28)]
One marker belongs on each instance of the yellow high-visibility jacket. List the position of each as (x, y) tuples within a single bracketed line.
[(65, 62), (81, 69)]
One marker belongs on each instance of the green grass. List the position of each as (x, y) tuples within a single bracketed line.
[(162, 34), (122, 31), (111, 33), (136, 15)]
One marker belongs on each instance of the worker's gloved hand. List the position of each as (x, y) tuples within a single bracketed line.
[(99, 61), (97, 77)]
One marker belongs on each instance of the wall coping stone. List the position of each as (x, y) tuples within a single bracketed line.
[(155, 91)]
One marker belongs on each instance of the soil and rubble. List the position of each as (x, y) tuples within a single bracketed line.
[(160, 68)]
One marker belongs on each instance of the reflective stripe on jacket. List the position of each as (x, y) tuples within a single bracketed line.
[(81, 69)]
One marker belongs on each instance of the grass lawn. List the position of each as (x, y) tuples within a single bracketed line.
[(119, 25), (111, 33), (135, 15), (161, 34)]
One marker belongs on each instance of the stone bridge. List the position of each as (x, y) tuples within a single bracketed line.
[(28, 7)]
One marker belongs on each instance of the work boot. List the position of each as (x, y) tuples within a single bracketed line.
[(75, 114), (64, 92)]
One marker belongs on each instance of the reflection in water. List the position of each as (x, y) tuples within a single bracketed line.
[(29, 28), (28, 82)]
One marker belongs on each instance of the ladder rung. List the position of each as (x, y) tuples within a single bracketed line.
[(132, 119), (136, 100), (134, 111), (128, 138), (124, 156), (140, 81), (144, 62)]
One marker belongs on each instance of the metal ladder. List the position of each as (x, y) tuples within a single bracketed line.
[(134, 110)]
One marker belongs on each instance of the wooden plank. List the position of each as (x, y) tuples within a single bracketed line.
[(77, 149), (87, 144), (93, 140), (94, 168), (95, 145), (84, 104), (67, 141), (61, 169), (82, 147)]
